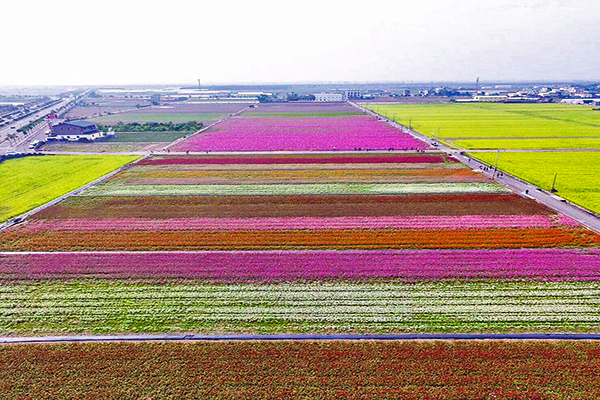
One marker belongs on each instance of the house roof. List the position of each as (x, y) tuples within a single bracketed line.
[(81, 124)]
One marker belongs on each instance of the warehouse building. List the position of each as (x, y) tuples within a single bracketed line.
[(329, 97), (75, 130)]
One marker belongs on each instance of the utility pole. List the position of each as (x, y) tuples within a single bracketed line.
[(554, 190), (496, 166)]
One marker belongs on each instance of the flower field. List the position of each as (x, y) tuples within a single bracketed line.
[(131, 212), (104, 306), (324, 370), (313, 266), (300, 159), (323, 243), (307, 242), (300, 133)]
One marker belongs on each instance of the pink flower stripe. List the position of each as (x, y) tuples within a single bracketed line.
[(280, 266), (426, 159), (301, 133), (418, 222)]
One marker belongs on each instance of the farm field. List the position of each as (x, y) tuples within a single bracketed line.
[(577, 179), (176, 112), (327, 370), (102, 147), (263, 244), (103, 307), (465, 122), (197, 107), (143, 117), (253, 133), (287, 110), (146, 137), (527, 144), (30, 182), (122, 142), (96, 106)]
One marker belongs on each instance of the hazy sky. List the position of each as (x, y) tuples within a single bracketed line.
[(53, 42)]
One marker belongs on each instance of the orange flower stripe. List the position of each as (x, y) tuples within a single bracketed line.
[(300, 239)]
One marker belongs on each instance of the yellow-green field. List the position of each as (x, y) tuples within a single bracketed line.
[(515, 126), (578, 178), (26, 183), (527, 144)]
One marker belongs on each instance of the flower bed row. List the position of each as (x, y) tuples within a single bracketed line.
[(297, 159), (145, 176), (24, 240), (316, 133), (261, 224), (115, 189), (282, 266), (111, 307), (518, 370), (159, 207)]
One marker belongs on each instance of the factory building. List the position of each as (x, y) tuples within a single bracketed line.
[(329, 97)]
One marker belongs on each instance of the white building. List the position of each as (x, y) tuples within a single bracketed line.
[(593, 102), (490, 98), (329, 97)]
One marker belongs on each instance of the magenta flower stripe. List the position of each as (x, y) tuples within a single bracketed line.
[(304, 133), (280, 266)]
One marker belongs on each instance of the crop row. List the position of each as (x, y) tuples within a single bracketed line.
[(143, 175), (262, 224), (158, 207), (24, 240), (357, 158), (108, 307), (318, 133), (518, 370), (113, 189), (299, 266)]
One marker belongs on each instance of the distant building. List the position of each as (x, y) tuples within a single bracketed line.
[(592, 102), (490, 98), (251, 95), (75, 130), (329, 97), (155, 99), (352, 94)]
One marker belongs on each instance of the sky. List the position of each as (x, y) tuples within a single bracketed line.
[(108, 42)]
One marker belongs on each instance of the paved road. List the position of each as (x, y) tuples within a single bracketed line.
[(290, 337), (23, 145), (519, 186)]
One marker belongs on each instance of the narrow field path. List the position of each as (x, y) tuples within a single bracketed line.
[(298, 337)]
